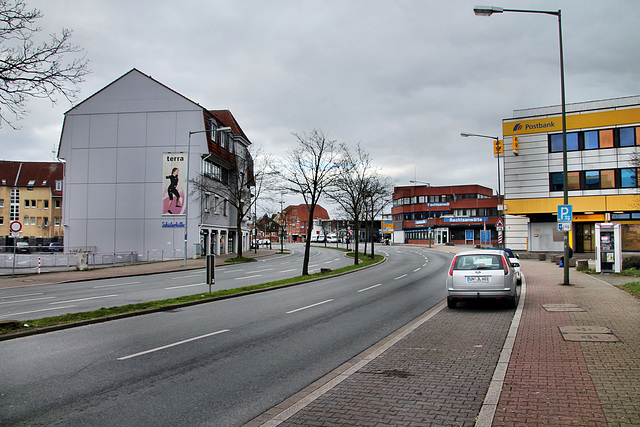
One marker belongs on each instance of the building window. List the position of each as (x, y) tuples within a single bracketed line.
[(556, 184), (56, 221), (627, 137), (14, 213), (592, 180), (591, 140), (58, 185), (555, 142), (57, 204), (1, 220), (1, 203), (628, 178), (606, 138), (608, 179), (46, 204)]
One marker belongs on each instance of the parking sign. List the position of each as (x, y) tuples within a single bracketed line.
[(565, 213)]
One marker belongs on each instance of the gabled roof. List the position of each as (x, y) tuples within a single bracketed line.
[(303, 212), (226, 118), (132, 71), (31, 174)]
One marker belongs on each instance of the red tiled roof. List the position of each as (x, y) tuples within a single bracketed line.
[(39, 174), (318, 212), (227, 119)]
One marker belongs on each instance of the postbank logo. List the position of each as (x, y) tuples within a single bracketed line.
[(517, 127)]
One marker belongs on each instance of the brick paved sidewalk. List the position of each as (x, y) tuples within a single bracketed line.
[(551, 381), (439, 372)]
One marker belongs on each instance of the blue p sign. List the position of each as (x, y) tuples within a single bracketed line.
[(565, 213)]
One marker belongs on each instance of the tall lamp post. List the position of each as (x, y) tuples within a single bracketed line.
[(186, 200), (497, 149), (428, 206), (490, 10)]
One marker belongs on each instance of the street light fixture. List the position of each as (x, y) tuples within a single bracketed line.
[(428, 206), (186, 207), (497, 148), (488, 11)]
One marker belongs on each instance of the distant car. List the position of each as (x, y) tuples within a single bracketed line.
[(23, 248), (55, 247), (332, 239), (481, 274), (515, 261), (265, 242), (319, 238)]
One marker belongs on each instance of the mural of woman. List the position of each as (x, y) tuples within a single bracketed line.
[(172, 190)]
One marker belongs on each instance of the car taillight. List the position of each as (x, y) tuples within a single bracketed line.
[(452, 264), (506, 266)]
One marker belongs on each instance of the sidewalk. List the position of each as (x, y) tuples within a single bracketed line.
[(474, 366), (72, 275)]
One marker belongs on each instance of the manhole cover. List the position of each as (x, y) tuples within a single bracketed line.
[(590, 337), (562, 307), (585, 330)]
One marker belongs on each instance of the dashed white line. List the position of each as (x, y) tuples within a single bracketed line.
[(400, 277), (185, 286), (370, 287), (164, 347), (115, 285), (309, 306), (248, 277), (417, 269), (37, 311), (83, 299), (25, 300), (22, 295)]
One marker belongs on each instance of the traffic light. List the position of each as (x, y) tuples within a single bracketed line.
[(516, 146), (498, 147)]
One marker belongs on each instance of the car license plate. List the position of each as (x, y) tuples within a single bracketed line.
[(478, 279)]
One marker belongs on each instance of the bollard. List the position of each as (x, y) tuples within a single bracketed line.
[(39, 263)]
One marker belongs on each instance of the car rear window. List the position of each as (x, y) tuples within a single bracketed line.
[(478, 262)]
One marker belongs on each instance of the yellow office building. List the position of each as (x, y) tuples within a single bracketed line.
[(602, 171)]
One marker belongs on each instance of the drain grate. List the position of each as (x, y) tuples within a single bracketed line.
[(588, 334), (562, 307)]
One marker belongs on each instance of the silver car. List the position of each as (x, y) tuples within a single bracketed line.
[(481, 274)]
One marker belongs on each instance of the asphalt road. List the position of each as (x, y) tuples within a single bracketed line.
[(50, 300), (221, 363)]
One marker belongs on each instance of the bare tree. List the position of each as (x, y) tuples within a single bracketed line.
[(308, 171), (378, 197), (28, 70), (350, 188), (235, 186)]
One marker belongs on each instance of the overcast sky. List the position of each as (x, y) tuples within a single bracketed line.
[(402, 77)]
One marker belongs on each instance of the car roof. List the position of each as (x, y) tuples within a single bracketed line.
[(482, 252)]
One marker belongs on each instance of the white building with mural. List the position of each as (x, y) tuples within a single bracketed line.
[(129, 150)]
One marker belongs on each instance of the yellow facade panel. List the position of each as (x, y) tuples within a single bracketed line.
[(580, 204), (574, 121)]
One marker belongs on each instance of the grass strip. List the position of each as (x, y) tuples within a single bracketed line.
[(13, 327), (633, 288)]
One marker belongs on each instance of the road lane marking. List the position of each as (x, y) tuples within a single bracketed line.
[(184, 277), (22, 295), (115, 285), (417, 269), (164, 347), (186, 286), (248, 277), (309, 306), (400, 277), (288, 271), (37, 311), (370, 287), (83, 299), (25, 300)]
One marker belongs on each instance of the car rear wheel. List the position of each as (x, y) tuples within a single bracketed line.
[(451, 302)]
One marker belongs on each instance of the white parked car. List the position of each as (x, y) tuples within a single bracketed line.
[(481, 274)]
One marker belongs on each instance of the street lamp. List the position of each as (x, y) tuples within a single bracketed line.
[(186, 206), (490, 10), (497, 149), (428, 206)]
